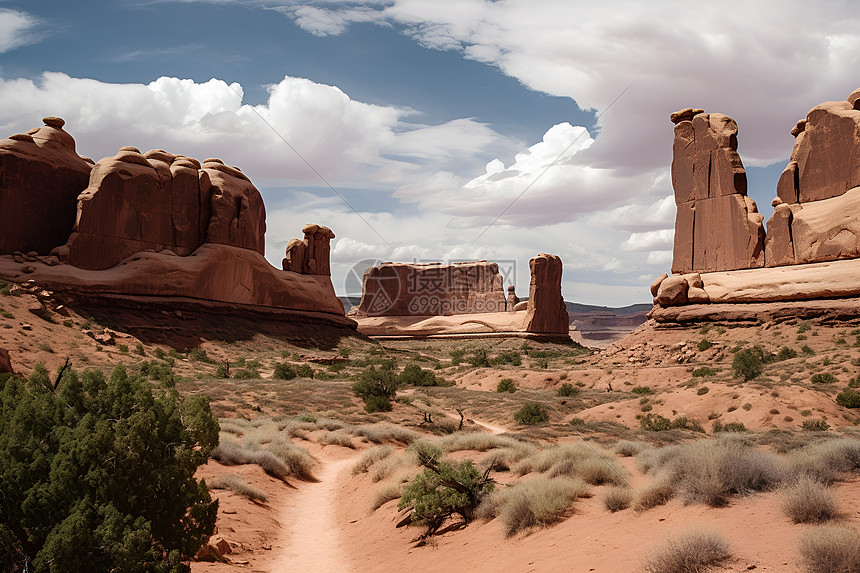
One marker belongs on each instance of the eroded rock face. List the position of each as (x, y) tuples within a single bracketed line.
[(547, 312), (815, 216), (512, 299), (418, 289), (5, 361), (717, 227), (41, 176), (158, 201), (310, 256)]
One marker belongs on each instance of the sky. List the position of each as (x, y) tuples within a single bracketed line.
[(438, 130)]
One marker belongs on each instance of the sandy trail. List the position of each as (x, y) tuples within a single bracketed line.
[(312, 535)]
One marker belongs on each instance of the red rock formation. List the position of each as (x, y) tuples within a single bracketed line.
[(818, 194), (160, 201), (41, 176), (5, 361), (415, 289), (717, 227), (310, 256), (512, 300), (547, 312)]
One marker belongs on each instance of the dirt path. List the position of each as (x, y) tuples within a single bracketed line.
[(312, 535)]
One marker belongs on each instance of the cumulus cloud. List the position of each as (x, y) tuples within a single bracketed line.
[(17, 29)]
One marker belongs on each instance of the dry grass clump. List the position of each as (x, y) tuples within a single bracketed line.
[(829, 461), (336, 438), (385, 432), (617, 498), (503, 459), (370, 457), (386, 493), (808, 501), (656, 493), (537, 502), (236, 426), (297, 459), (692, 552), (627, 448), (282, 459), (711, 471), (578, 460), (238, 485), (479, 441), (831, 549)]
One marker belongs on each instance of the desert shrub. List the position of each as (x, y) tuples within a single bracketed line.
[(424, 450), (831, 549), (848, 398), (819, 425), (537, 502), (199, 355), (245, 374), (567, 389), (807, 351), (457, 356), (729, 427), (642, 390), (711, 471), (828, 461), (804, 327), (506, 385), (284, 371), (414, 375), (628, 448), (808, 501), (98, 474), (159, 371), (824, 378), (370, 457), (337, 438), (444, 490), (617, 498), (786, 353), (479, 358), (379, 433), (576, 460), (480, 441), (748, 363), (238, 485), (282, 459), (704, 345), (703, 371), (531, 413), (691, 552), (384, 468), (503, 459), (304, 371), (656, 493), (376, 388), (384, 494), (513, 357), (655, 422)]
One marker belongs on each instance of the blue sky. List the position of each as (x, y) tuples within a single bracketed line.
[(431, 117)]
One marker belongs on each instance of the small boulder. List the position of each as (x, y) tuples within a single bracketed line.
[(655, 286), (673, 291)]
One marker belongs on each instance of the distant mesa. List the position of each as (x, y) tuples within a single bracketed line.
[(153, 224), (722, 253), (460, 299)]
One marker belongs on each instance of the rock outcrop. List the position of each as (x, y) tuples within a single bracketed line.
[(717, 227), (547, 312), (814, 217), (310, 256), (422, 289), (513, 299), (41, 176), (159, 201), (5, 361)]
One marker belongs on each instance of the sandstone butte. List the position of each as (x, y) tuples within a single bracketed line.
[(410, 299), (722, 254), (151, 227)]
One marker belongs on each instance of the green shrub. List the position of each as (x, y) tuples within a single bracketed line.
[(99, 475), (377, 404), (199, 355), (729, 427), (703, 371), (414, 375), (444, 490), (513, 357), (748, 363), (304, 371), (816, 425), (284, 371), (848, 398), (479, 358), (704, 345), (824, 378), (139, 349), (642, 390), (377, 388), (122, 348), (803, 327), (786, 353), (245, 374), (531, 413), (457, 356), (807, 351), (567, 390), (506, 385), (655, 422)]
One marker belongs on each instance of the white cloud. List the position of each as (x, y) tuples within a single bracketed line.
[(17, 29), (649, 240)]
